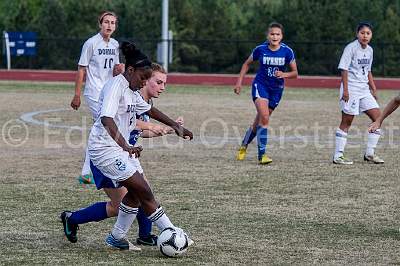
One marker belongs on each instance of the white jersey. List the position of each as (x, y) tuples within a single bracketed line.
[(99, 58), (119, 102), (358, 62)]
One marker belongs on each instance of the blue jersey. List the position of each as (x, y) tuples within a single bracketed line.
[(135, 134), (271, 61)]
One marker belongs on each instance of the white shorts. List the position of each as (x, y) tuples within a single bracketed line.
[(356, 104), (360, 99), (116, 165), (94, 107)]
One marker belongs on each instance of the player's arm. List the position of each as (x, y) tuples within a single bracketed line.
[(372, 86), (292, 74), (150, 130), (163, 118), (112, 129), (80, 76), (390, 108), (243, 72), (345, 82)]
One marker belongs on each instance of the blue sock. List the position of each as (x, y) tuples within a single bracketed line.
[(94, 213), (262, 139), (144, 223), (248, 137)]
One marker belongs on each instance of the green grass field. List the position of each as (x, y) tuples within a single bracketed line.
[(301, 209)]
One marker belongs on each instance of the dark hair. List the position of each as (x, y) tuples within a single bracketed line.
[(364, 24), (275, 25), (106, 13), (133, 56)]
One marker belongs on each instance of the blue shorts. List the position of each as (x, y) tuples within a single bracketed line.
[(101, 180), (273, 95)]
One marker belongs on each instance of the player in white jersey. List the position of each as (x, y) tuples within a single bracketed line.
[(357, 94), (110, 152), (99, 60), (102, 210)]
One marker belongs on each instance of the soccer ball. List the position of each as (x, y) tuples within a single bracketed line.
[(172, 242)]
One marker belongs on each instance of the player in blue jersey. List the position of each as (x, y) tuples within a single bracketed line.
[(267, 87), (102, 210)]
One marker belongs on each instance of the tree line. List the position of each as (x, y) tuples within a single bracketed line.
[(210, 35)]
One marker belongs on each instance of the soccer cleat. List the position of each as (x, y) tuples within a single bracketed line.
[(70, 229), (86, 179), (241, 154), (265, 159), (150, 240), (373, 159), (342, 160), (121, 244)]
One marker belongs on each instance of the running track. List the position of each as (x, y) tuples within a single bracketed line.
[(197, 79)]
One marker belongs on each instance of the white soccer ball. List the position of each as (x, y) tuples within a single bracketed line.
[(172, 242)]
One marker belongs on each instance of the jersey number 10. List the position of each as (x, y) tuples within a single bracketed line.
[(108, 62)]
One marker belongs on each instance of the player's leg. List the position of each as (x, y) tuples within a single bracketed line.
[(251, 133), (137, 185), (145, 227), (349, 109), (139, 193), (341, 139), (127, 212), (373, 112), (86, 174), (262, 129)]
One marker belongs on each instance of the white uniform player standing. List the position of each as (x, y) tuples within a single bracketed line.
[(99, 60), (109, 148), (357, 93)]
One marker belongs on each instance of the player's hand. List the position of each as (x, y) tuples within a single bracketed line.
[(183, 133), (279, 74), (135, 151), (374, 126), (159, 130), (76, 102), (237, 89), (345, 96), (180, 121), (118, 69)]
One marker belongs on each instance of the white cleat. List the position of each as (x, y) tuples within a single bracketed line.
[(342, 160), (373, 159)]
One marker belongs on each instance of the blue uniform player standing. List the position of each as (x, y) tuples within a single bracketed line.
[(267, 87)]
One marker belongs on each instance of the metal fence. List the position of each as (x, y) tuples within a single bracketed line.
[(214, 56)]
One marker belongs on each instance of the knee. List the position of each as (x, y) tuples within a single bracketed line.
[(264, 120), (113, 207)]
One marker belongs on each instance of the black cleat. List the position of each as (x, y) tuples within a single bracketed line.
[(70, 229), (150, 240)]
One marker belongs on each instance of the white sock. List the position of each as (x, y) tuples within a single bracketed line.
[(340, 142), (160, 219), (373, 139), (126, 216), (86, 164)]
